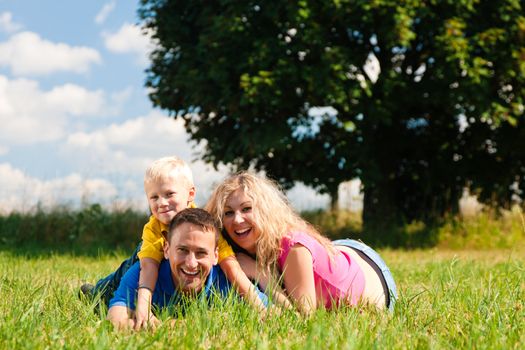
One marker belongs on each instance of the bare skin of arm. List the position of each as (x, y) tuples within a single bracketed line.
[(250, 269), (121, 317), (241, 283), (149, 271), (299, 279)]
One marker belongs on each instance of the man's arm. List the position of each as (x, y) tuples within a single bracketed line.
[(121, 307), (121, 317)]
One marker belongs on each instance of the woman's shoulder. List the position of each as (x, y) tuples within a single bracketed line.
[(299, 237), (293, 238)]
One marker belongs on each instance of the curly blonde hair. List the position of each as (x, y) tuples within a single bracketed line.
[(273, 215)]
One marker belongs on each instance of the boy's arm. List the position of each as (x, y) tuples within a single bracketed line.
[(249, 267), (149, 271), (233, 271)]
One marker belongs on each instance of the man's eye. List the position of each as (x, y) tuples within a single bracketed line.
[(182, 250), (154, 197), (201, 255)]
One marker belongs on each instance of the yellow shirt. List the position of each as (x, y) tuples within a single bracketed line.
[(154, 236), (225, 249)]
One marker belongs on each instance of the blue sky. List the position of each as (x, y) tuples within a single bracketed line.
[(76, 122)]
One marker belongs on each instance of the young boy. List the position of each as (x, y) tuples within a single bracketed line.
[(169, 188)]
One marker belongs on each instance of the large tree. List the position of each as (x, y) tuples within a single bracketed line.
[(444, 112)]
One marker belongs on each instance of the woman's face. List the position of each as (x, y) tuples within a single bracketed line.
[(238, 221)]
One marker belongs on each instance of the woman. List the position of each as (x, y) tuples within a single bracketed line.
[(257, 217)]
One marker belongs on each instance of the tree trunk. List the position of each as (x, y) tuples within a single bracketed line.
[(334, 200)]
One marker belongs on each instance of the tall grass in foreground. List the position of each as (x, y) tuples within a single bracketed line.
[(448, 300)]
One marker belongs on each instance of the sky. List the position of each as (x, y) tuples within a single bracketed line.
[(76, 124)]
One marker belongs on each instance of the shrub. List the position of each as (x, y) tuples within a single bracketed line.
[(487, 229), (89, 227)]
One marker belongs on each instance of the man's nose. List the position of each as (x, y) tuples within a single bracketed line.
[(191, 261)]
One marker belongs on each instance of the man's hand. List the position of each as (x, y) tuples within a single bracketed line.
[(123, 318), (119, 316)]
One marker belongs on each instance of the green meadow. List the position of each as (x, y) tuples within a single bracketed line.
[(451, 297)]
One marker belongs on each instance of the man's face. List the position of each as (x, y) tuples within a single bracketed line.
[(167, 197), (192, 252)]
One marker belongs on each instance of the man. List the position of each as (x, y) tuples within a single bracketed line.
[(189, 271)]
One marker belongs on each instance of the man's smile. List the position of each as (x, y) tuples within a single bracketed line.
[(190, 273)]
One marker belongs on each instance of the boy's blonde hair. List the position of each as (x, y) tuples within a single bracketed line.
[(273, 215), (166, 167)]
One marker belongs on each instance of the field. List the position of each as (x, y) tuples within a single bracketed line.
[(463, 299)]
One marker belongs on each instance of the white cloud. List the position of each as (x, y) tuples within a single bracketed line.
[(109, 165), (75, 100), (29, 115), (144, 138), (129, 39), (21, 192), (6, 23), (125, 150), (28, 54), (104, 12)]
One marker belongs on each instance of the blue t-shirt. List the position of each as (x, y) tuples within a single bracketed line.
[(165, 293)]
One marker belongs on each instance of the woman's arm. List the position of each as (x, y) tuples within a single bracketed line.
[(298, 279)]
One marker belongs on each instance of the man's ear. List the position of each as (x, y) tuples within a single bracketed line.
[(166, 248), (216, 256)]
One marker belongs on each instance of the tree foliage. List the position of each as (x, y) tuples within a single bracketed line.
[(445, 111)]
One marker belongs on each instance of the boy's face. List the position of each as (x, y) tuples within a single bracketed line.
[(192, 253), (167, 197)]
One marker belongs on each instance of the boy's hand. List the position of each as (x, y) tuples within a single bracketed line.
[(144, 318), (149, 270), (150, 323)]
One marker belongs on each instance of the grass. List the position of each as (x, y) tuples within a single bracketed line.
[(460, 299)]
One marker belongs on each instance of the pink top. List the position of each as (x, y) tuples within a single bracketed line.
[(338, 281)]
